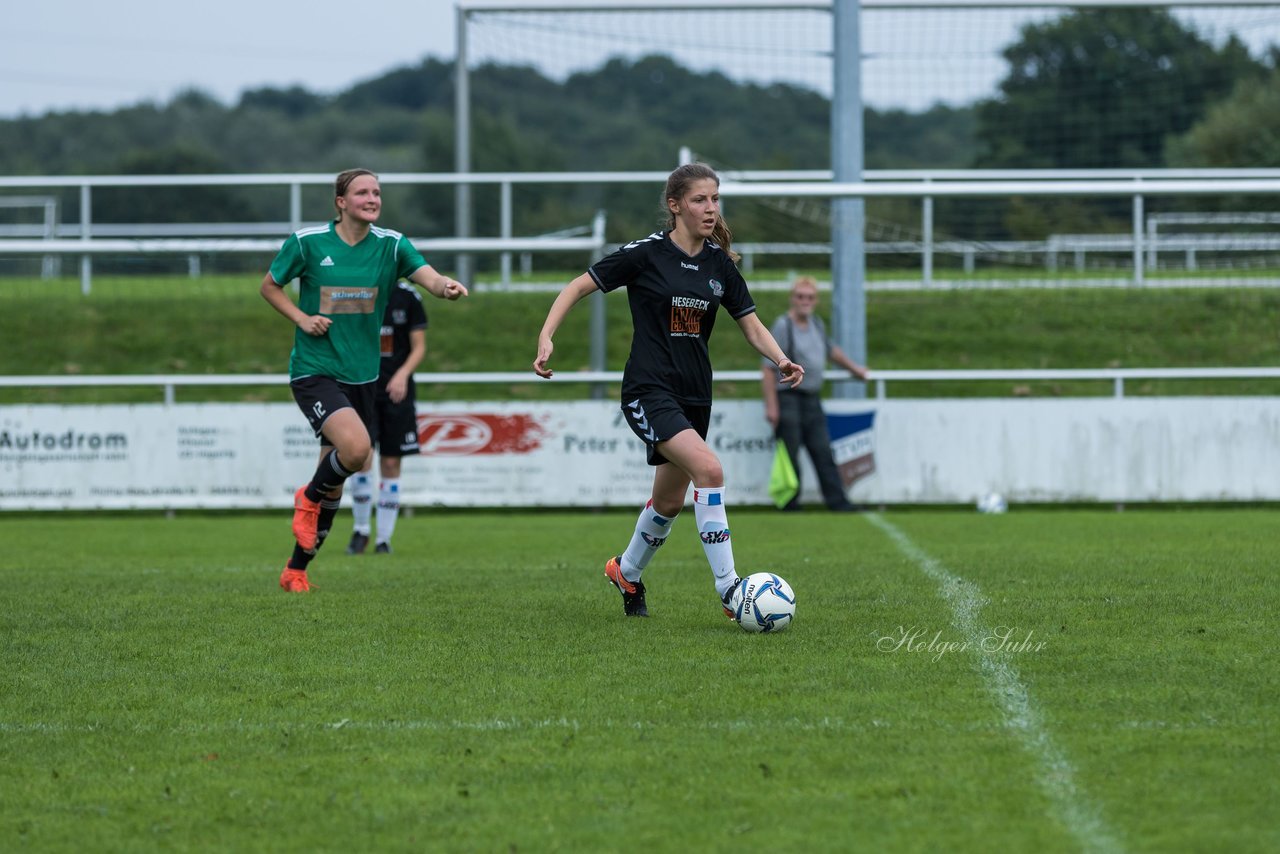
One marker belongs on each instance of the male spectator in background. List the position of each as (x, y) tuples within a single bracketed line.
[(796, 413)]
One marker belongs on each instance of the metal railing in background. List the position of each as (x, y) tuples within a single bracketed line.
[(1117, 377), (927, 185)]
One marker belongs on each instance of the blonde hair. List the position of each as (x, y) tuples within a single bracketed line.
[(678, 183), (804, 282), (343, 182)]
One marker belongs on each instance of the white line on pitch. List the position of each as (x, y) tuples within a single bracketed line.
[(1055, 773)]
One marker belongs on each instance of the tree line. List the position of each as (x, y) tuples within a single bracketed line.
[(1094, 88)]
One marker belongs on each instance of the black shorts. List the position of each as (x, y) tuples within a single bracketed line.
[(396, 431), (656, 418), (320, 397)]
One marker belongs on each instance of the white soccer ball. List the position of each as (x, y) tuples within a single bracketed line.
[(992, 502), (766, 603)]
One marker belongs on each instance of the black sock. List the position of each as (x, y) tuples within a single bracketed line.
[(300, 558), (330, 475), (328, 510)]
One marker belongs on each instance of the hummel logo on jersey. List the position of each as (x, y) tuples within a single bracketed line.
[(327, 262), (657, 235), (688, 266)]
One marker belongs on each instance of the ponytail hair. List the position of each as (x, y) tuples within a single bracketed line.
[(343, 182), (723, 237), (678, 183)]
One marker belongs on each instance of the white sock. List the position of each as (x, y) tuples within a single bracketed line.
[(713, 527), (651, 532), (361, 488), (388, 508)]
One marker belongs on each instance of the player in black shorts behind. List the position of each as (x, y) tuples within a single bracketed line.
[(676, 279), (404, 343)]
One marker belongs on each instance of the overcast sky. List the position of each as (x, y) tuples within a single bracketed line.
[(62, 55), (104, 54)]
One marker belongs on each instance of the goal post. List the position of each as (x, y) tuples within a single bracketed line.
[(829, 40)]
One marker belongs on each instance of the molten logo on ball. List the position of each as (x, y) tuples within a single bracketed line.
[(767, 604)]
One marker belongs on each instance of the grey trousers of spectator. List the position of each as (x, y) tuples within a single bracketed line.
[(801, 421)]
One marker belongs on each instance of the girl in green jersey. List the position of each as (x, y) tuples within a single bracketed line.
[(346, 270)]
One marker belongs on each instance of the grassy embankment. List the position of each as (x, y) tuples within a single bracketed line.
[(221, 325)]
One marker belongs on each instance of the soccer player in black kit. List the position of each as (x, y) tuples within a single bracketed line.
[(404, 343), (676, 280)]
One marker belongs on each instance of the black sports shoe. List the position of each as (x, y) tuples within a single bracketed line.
[(632, 591), (359, 542), (730, 603), (382, 549)]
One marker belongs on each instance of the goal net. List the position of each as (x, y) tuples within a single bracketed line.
[(943, 87), (914, 56)]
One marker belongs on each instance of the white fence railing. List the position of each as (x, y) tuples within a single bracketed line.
[(926, 185), (880, 380), (1047, 252)]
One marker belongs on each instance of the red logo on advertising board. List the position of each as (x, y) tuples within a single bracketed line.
[(460, 435)]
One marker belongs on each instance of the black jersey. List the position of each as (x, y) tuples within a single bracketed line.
[(674, 298), (403, 315)]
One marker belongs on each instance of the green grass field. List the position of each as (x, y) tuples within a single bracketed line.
[(480, 690)]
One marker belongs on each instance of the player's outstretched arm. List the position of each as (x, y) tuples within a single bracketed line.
[(437, 284), (565, 300), (759, 336)]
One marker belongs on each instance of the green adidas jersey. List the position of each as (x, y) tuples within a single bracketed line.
[(348, 284)]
